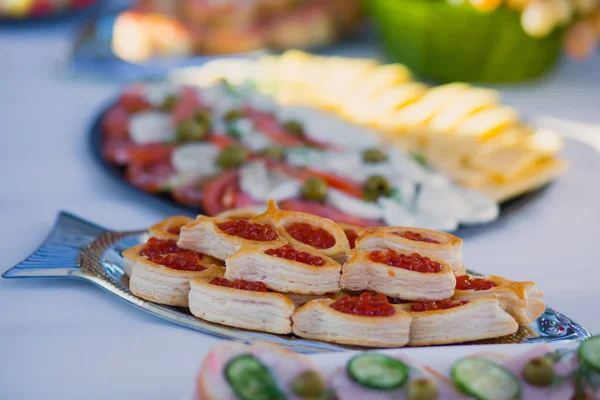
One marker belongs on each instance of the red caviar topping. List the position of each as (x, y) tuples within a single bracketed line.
[(417, 237), (436, 305), (367, 305), (465, 282), (156, 246), (289, 253), (240, 284), (248, 230), (413, 262), (351, 235), (311, 235), (185, 261)]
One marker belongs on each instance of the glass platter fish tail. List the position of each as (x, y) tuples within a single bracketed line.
[(76, 248)]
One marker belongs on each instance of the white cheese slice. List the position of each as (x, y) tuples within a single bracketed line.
[(263, 185), (442, 202), (156, 92), (352, 205), (198, 159), (151, 127)]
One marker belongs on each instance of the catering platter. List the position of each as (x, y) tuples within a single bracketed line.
[(78, 249), (361, 177)]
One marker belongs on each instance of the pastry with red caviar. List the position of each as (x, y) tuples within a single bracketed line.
[(399, 274), (240, 303), (304, 229), (426, 242), (162, 272), (367, 320), (457, 321), (239, 213), (522, 300), (352, 233), (234, 371), (288, 268), (220, 237), (169, 228)]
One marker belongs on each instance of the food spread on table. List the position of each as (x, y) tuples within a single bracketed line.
[(222, 147), (288, 272), (235, 371), (462, 131), (19, 9), (153, 28)]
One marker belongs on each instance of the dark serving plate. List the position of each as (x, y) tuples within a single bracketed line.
[(507, 208)]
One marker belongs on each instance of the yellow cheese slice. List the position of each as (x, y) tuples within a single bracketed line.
[(339, 75), (507, 163), (488, 123), (463, 105), (420, 112), (383, 104)]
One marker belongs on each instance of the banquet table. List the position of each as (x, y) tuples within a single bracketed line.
[(67, 339)]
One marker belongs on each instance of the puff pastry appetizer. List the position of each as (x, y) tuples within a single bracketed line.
[(399, 274), (164, 278), (368, 320), (452, 321), (439, 245), (239, 213), (304, 229), (522, 300), (220, 237), (169, 228), (352, 233), (376, 376), (235, 371), (242, 304), (288, 268)]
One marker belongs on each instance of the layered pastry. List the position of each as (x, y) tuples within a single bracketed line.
[(376, 376), (169, 229), (238, 213), (163, 275), (235, 371), (220, 237), (352, 233), (288, 268), (367, 320), (439, 245), (240, 303), (304, 229), (399, 274), (522, 300), (457, 321)]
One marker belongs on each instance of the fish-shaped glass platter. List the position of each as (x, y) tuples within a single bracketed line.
[(79, 249)]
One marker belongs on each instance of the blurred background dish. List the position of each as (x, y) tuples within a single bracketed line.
[(27, 9), (485, 40)]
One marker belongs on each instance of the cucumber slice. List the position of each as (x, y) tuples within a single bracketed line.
[(485, 380), (250, 379), (589, 353), (376, 371)]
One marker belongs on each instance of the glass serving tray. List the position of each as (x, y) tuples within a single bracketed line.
[(79, 249)]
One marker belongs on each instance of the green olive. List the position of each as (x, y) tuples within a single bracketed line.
[(308, 384), (539, 371), (203, 118), (374, 155), (376, 186), (232, 156), (234, 114), (168, 103), (294, 127), (190, 130), (274, 152), (421, 389), (314, 189)]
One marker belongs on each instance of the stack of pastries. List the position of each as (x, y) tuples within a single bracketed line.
[(288, 272)]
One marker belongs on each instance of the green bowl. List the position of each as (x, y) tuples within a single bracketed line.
[(456, 42)]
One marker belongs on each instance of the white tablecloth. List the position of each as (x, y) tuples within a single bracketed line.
[(70, 340)]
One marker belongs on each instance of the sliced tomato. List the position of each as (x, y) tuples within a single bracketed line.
[(187, 104), (326, 211), (221, 140), (190, 195), (335, 181), (132, 100), (268, 125), (151, 153), (150, 177), (115, 123), (219, 192)]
